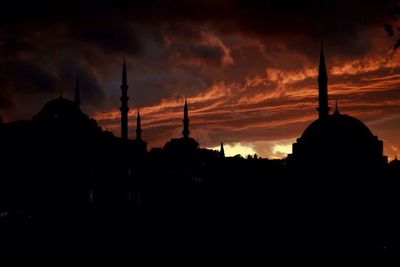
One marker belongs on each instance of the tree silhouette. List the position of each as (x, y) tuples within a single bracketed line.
[(392, 27)]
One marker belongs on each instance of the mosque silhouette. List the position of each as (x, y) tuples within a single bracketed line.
[(335, 193)]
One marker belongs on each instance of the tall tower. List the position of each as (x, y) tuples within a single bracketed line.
[(77, 99), (138, 127), (323, 109), (186, 120), (124, 104)]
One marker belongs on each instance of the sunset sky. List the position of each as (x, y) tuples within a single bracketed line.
[(248, 68)]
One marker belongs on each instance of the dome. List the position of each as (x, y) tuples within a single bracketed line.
[(181, 146), (64, 116), (337, 126), (395, 163), (339, 139), (394, 168), (60, 108)]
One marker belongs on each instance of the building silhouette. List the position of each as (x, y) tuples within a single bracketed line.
[(336, 141), (73, 161), (185, 131), (394, 168), (140, 146), (185, 146), (334, 195), (222, 151), (124, 104)]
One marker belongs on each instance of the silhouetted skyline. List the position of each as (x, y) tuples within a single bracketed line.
[(66, 178), (118, 121), (250, 80)]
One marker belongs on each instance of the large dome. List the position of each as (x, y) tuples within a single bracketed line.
[(65, 116), (337, 127), (60, 109), (338, 139)]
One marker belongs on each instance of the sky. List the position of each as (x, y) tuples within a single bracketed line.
[(248, 68)]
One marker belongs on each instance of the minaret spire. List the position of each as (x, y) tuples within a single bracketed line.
[(138, 126), (186, 120), (222, 151), (336, 112), (124, 76), (77, 99), (124, 104), (323, 109)]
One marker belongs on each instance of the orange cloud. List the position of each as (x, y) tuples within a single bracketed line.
[(263, 112)]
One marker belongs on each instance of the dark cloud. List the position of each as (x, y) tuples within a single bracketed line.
[(4, 102), (10, 45), (312, 18), (389, 29), (109, 34), (26, 77), (208, 54), (120, 26)]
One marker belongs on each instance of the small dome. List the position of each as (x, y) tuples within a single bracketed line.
[(395, 163)]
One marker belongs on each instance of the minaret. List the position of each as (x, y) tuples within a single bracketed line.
[(77, 99), (124, 105), (222, 151), (138, 127), (323, 109), (186, 120), (336, 112)]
